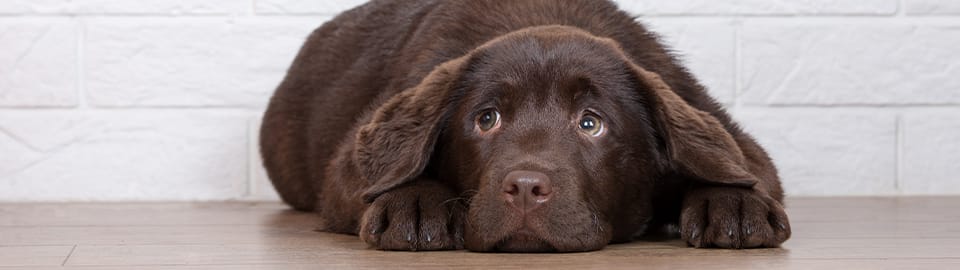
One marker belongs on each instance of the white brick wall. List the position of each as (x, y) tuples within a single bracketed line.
[(160, 99)]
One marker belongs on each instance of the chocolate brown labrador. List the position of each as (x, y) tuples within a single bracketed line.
[(522, 126)]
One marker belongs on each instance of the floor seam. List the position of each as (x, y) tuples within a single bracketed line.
[(64, 263)]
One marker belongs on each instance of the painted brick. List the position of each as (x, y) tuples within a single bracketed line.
[(38, 63), (833, 7), (761, 7), (170, 7), (932, 7), (34, 6), (103, 141), (275, 7), (850, 64), (122, 156), (201, 62), (707, 49), (931, 153), (828, 153)]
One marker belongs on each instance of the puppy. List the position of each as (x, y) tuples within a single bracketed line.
[(518, 126)]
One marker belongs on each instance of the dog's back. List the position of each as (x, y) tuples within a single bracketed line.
[(335, 77)]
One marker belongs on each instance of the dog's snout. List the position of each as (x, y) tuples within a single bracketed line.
[(527, 190)]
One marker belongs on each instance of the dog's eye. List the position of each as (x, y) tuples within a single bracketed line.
[(488, 119), (591, 125)]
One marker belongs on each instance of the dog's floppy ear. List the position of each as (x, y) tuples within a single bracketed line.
[(696, 143), (396, 145)]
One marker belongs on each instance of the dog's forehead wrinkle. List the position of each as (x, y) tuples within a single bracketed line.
[(527, 54), (543, 110), (559, 86)]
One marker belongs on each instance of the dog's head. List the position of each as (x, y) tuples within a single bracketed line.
[(554, 137)]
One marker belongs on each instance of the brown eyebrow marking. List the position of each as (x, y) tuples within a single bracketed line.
[(583, 86)]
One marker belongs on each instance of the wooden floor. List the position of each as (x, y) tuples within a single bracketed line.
[(828, 233)]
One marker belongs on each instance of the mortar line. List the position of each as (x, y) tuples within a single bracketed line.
[(81, 87), (898, 155), (901, 9), (737, 64)]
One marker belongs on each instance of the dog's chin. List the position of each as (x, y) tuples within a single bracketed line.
[(523, 241), (492, 228)]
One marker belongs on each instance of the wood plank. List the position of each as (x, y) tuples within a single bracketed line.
[(874, 209), (23, 256), (829, 233), (876, 229), (151, 214), (347, 250), (151, 235), (671, 263), (305, 235), (916, 202)]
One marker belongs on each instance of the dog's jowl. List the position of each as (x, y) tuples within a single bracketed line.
[(528, 126)]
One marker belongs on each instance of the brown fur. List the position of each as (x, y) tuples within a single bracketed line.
[(375, 128)]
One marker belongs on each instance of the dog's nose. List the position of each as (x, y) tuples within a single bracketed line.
[(526, 190)]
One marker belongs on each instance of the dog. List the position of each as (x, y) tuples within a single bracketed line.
[(511, 126)]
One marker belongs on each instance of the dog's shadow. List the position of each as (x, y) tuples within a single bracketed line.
[(297, 229)]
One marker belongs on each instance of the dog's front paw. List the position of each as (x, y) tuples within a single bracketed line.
[(424, 215), (732, 218)]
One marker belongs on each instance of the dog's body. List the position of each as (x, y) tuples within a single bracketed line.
[(400, 121)]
